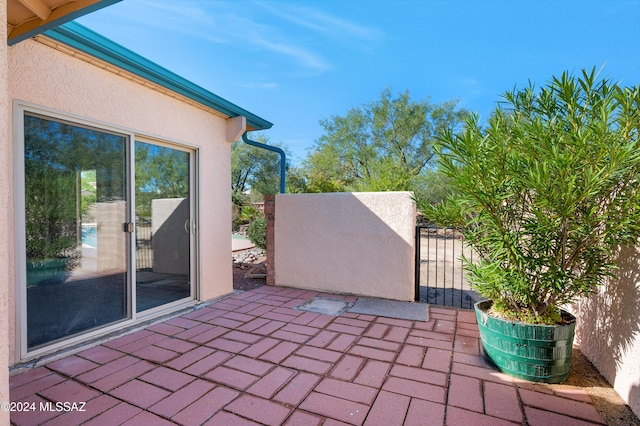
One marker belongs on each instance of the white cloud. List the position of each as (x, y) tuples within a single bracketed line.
[(265, 85), (470, 86), (226, 23), (318, 21), (244, 26), (304, 57), (345, 31)]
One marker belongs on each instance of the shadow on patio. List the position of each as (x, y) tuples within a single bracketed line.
[(253, 359)]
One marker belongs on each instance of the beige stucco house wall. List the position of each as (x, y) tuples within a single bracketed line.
[(6, 261), (354, 243), (52, 78)]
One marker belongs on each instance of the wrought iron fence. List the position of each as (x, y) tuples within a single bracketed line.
[(144, 248), (439, 276)]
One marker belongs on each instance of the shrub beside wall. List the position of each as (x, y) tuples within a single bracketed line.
[(257, 232)]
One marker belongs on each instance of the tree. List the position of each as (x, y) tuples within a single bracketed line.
[(433, 186), (55, 157), (547, 193), (161, 172), (386, 145), (254, 169), (296, 180)]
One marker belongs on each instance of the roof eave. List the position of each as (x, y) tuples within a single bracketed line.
[(89, 42), (58, 17)]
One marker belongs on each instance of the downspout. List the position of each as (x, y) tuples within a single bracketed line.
[(283, 158)]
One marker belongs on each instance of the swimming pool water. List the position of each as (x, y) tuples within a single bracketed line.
[(89, 236)]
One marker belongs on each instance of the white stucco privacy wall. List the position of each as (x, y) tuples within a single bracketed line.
[(67, 84), (608, 329), (353, 243)]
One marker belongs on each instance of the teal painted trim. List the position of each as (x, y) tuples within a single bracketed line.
[(85, 40), (57, 22)]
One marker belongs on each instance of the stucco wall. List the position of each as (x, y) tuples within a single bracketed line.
[(168, 217), (355, 243), (49, 78), (6, 236), (608, 329)]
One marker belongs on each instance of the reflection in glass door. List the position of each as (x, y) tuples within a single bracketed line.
[(76, 250), (84, 271), (162, 225)]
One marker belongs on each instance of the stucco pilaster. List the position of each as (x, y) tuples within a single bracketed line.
[(270, 215), (6, 245)]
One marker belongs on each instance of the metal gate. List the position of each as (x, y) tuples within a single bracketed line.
[(439, 277)]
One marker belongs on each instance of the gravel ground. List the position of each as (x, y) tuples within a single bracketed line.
[(241, 269)]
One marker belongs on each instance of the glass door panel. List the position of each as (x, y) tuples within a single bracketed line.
[(162, 226), (75, 208)]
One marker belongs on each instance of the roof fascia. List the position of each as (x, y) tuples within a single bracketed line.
[(63, 19), (87, 41)]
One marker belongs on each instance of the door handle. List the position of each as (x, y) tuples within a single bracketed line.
[(190, 226)]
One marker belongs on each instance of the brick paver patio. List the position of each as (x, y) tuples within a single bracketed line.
[(252, 359)]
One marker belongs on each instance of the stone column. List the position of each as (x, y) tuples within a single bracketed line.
[(270, 216)]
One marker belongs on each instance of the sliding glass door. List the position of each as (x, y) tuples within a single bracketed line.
[(76, 250), (93, 256), (163, 225)]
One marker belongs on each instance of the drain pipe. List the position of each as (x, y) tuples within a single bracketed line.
[(283, 158)]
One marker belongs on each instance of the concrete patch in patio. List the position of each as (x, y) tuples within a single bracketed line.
[(325, 306), (391, 308)]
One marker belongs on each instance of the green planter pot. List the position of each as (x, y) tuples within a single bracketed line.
[(539, 353)]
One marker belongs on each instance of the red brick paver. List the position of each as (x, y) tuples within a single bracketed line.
[(253, 359)]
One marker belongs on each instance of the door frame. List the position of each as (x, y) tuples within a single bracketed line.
[(193, 226), (21, 351)]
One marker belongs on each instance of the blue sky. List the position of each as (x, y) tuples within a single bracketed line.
[(297, 62)]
